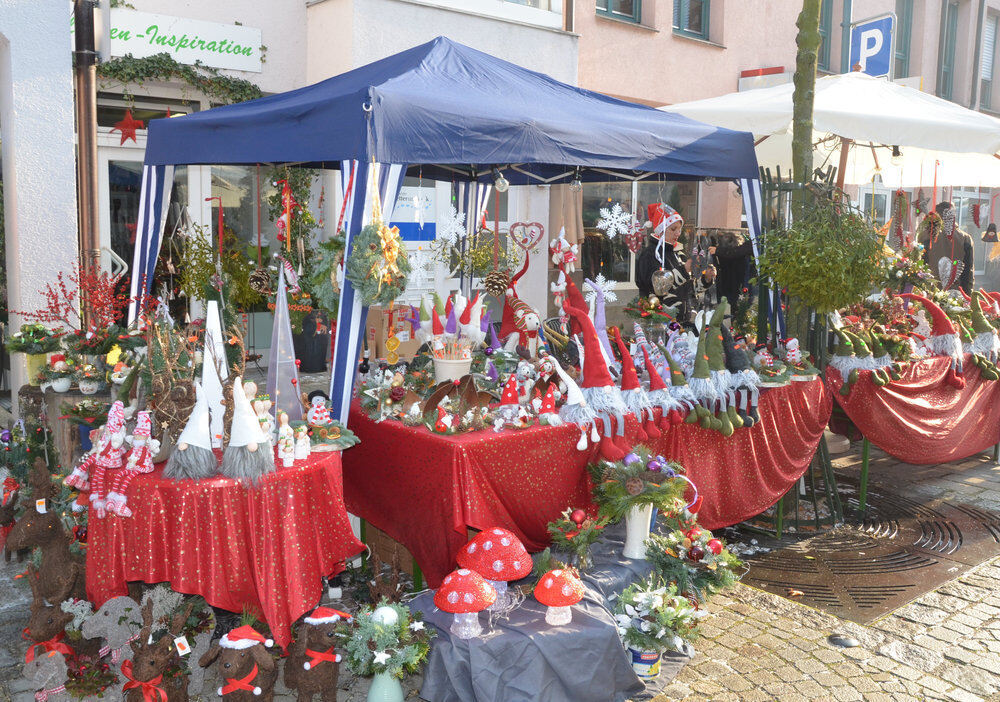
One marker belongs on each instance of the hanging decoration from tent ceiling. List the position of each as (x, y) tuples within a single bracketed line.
[(378, 265), (615, 220)]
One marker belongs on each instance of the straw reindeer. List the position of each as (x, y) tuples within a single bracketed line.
[(117, 622), (8, 513), (320, 677), (47, 620), (62, 575), (150, 661), (238, 665), (47, 674)]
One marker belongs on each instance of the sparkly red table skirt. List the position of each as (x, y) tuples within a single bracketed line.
[(266, 548), (425, 490), (920, 418)]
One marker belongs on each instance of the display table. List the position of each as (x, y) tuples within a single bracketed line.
[(425, 490), (920, 418), (265, 548)]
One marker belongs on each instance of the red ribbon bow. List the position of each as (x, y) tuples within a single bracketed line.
[(43, 695), (317, 657), (234, 684), (52, 644), (150, 689)]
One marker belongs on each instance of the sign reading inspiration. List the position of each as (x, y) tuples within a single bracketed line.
[(188, 41)]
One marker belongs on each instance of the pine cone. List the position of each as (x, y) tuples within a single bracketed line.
[(496, 284), (260, 281), (634, 486)]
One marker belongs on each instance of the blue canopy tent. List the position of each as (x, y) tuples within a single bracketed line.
[(458, 114)]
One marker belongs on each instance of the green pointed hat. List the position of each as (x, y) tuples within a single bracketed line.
[(861, 349), (878, 350), (677, 378), (713, 332), (701, 367), (425, 316), (438, 304), (980, 324), (844, 346)]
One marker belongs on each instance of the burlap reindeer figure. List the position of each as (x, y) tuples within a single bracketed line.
[(8, 511), (145, 674), (61, 573), (313, 666), (247, 670)]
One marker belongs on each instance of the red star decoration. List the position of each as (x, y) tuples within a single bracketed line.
[(128, 125)]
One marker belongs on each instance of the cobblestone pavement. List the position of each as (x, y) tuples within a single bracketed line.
[(756, 646)]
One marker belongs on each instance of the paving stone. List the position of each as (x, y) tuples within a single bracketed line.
[(922, 614), (846, 693), (809, 688), (810, 665), (971, 679), (911, 655)]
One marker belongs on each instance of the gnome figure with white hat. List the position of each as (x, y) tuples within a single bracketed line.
[(138, 460), (248, 455), (192, 458), (576, 410)]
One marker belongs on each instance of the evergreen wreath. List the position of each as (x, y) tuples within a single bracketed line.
[(407, 642), (638, 480), (379, 278)]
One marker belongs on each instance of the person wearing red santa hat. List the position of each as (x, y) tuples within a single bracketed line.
[(664, 258)]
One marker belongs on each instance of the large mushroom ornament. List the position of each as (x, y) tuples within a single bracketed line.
[(465, 594), (498, 556), (559, 590)]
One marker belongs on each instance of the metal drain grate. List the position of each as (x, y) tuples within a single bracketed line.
[(900, 550)]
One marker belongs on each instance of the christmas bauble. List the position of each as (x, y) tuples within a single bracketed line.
[(578, 516), (630, 459), (385, 616), (715, 546), (693, 533), (696, 553), (654, 301)]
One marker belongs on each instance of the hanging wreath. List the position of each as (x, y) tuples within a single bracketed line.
[(378, 266)]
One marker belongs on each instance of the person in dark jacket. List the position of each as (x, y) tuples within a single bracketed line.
[(671, 281), (732, 251), (945, 246)]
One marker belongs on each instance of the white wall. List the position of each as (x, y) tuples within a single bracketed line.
[(39, 167)]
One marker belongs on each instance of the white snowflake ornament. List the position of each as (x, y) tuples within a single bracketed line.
[(614, 221), (607, 287), (451, 228)]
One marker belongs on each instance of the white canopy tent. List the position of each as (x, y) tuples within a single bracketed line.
[(874, 115)]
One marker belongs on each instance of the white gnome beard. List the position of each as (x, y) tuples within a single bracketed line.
[(946, 345), (605, 398), (192, 463), (845, 364), (986, 344), (637, 402), (664, 400), (883, 361), (704, 390), (240, 463)]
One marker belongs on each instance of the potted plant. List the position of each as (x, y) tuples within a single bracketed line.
[(631, 488), (36, 341), (59, 373), (575, 531), (653, 618), (87, 415), (385, 642), (89, 378)]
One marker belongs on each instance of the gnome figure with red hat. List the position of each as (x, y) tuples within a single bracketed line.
[(634, 394), (671, 410), (600, 391), (510, 412), (576, 410), (944, 340), (545, 407)]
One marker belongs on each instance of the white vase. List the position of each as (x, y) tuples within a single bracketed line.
[(637, 531), (385, 688), (61, 384)]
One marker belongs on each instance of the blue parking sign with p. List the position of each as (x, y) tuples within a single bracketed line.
[(871, 46)]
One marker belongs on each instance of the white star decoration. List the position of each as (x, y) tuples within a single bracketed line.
[(614, 221), (417, 626), (606, 286), (381, 657), (451, 227)]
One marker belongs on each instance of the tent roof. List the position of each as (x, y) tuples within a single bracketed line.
[(450, 107)]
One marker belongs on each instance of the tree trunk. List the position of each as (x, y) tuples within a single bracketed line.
[(808, 42)]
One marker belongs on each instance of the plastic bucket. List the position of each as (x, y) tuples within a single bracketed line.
[(451, 370), (646, 664)]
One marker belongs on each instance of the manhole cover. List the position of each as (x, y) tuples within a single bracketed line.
[(902, 549)]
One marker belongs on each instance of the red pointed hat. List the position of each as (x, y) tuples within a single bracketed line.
[(940, 324), (509, 395), (244, 637), (575, 298), (436, 327), (655, 379), (595, 370), (447, 306), (630, 378), (548, 401), (466, 316), (327, 615)]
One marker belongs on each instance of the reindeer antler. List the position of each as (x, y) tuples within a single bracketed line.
[(178, 621)]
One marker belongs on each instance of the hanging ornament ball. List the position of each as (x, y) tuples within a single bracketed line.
[(294, 381), (696, 553), (489, 351), (496, 284), (630, 459), (578, 516), (715, 546), (298, 362), (386, 616), (654, 301), (693, 533)]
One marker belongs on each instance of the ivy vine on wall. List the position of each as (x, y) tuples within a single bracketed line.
[(129, 70)]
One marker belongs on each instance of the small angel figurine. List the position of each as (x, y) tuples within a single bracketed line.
[(286, 441), (303, 445)]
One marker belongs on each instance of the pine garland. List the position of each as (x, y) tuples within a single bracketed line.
[(407, 642), (367, 256)]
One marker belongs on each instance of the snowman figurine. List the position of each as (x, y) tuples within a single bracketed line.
[(303, 445), (318, 414), (286, 441)]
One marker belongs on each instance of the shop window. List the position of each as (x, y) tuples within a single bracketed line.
[(826, 34), (111, 109), (904, 29), (987, 62), (238, 186), (630, 10), (691, 17), (946, 66)]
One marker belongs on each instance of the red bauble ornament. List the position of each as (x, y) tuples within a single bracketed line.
[(693, 533), (127, 126), (578, 516), (696, 553), (715, 546)]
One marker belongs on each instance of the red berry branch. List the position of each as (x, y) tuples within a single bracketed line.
[(71, 292)]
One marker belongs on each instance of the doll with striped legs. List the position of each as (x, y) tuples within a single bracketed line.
[(108, 455), (138, 460)]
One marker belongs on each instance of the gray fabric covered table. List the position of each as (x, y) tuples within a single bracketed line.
[(523, 659)]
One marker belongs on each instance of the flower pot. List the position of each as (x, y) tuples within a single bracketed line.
[(85, 443), (89, 387), (36, 364), (61, 384), (637, 531), (445, 369), (385, 688), (646, 664)]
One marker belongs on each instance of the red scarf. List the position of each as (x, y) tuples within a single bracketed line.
[(317, 657), (52, 644), (234, 684), (150, 688)]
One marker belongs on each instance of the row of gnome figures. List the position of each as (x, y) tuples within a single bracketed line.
[(709, 380), (861, 355)]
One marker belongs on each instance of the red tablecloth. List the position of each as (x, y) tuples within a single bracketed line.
[(920, 418), (425, 490), (265, 547)]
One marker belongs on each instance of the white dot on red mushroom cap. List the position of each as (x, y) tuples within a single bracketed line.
[(488, 545), (468, 597), (548, 582), (463, 571), (453, 597), (498, 532), (505, 541), (498, 566), (472, 548), (567, 590), (517, 564), (447, 578), (557, 573)]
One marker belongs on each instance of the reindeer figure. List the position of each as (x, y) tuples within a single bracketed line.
[(47, 674), (62, 574), (8, 512), (144, 673), (47, 624), (248, 671), (313, 666)]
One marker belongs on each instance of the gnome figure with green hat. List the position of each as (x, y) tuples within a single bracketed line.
[(744, 379), (705, 391), (986, 342), (679, 389), (721, 377), (845, 361), (659, 393)]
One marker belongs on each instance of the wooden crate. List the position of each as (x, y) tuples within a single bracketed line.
[(385, 547)]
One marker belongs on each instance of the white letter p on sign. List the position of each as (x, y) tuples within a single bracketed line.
[(871, 45)]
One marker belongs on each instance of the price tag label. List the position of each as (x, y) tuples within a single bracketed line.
[(40, 506), (183, 647)]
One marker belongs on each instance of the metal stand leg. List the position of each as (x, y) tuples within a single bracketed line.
[(363, 529), (866, 448), (779, 522), (996, 453)]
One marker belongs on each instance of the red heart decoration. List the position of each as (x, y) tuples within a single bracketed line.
[(527, 234)]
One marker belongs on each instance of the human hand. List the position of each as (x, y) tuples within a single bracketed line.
[(710, 274), (711, 250), (687, 265)]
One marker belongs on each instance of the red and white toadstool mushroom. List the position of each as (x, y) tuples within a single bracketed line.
[(499, 556), (558, 590), (465, 594)]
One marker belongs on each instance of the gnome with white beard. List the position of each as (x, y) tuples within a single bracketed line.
[(192, 458), (248, 455)]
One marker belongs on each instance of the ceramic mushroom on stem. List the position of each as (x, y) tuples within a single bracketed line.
[(559, 590), (465, 594), (499, 556)]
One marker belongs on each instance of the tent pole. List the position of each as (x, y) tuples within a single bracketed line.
[(845, 146)]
